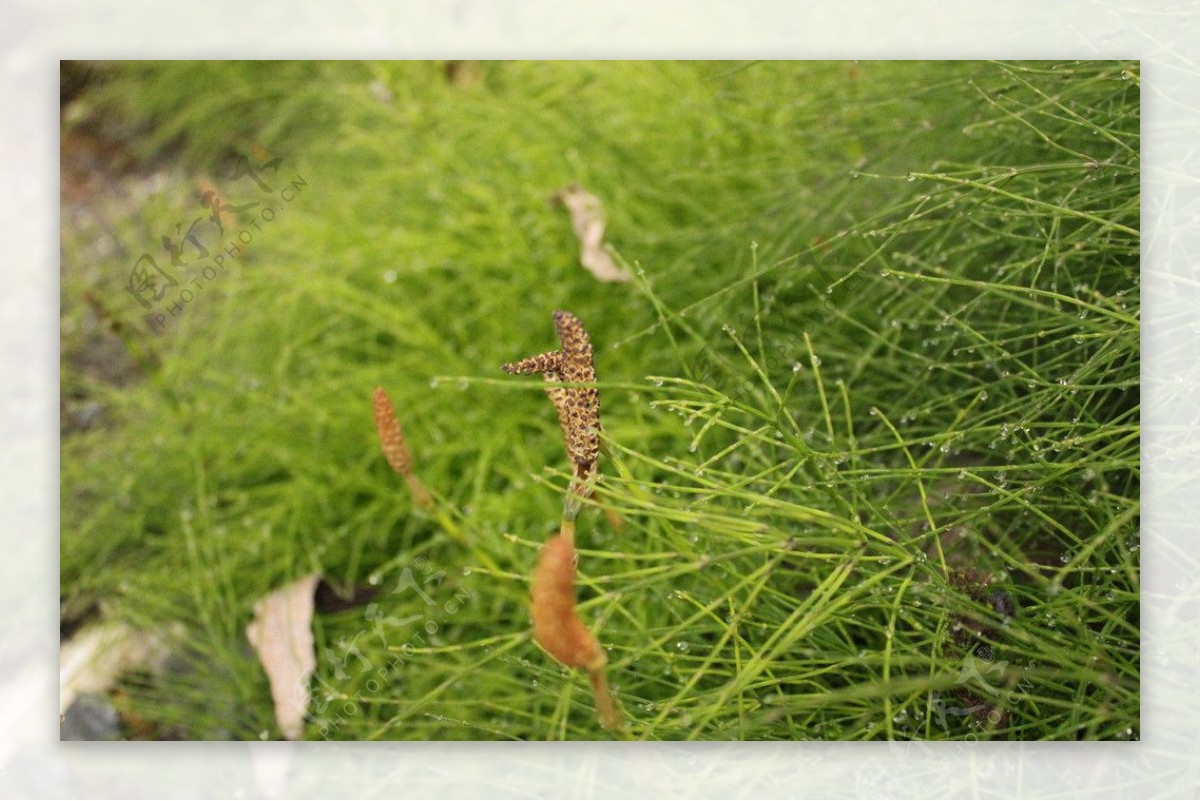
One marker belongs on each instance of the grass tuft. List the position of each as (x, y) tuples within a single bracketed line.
[(871, 400)]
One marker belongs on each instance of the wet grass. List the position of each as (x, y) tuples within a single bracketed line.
[(870, 403)]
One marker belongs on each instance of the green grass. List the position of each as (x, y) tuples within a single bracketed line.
[(884, 330)]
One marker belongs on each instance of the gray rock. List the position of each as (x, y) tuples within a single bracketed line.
[(91, 717)]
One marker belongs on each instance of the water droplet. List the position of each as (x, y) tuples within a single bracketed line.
[(682, 646), (390, 277)]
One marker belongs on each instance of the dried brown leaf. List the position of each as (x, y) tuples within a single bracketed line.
[(587, 218), (96, 656), (281, 634)]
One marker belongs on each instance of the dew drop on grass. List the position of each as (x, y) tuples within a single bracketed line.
[(389, 277), (682, 646)]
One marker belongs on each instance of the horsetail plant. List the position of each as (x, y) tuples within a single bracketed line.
[(556, 624), (391, 438)]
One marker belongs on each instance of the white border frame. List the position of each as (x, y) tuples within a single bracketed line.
[(34, 36)]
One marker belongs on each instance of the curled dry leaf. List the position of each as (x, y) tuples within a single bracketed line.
[(281, 634), (92, 660), (587, 218)]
